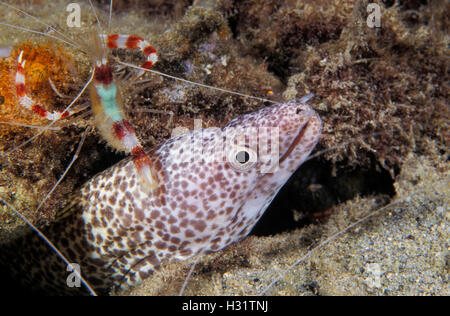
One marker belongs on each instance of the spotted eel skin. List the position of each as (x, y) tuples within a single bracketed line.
[(207, 198)]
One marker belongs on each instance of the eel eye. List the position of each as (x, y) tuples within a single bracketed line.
[(242, 158)]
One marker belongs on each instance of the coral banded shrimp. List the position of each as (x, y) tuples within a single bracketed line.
[(101, 78), (43, 76), (170, 99), (179, 95)]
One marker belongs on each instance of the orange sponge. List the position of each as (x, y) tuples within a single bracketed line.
[(44, 61)]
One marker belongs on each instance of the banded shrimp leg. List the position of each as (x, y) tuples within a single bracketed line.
[(187, 67), (20, 82), (352, 224), (29, 103)]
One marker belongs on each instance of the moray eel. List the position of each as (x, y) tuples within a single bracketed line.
[(214, 185)]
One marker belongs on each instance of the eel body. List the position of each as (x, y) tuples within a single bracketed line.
[(213, 186)]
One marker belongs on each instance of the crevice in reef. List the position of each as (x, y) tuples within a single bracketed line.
[(316, 189)]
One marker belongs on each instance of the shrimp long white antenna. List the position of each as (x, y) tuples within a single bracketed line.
[(332, 238), (40, 33), (195, 83), (120, 62), (52, 246), (67, 40), (56, 128), (99, 25), (75, 157), (58, 93), (191, 270), (110, 16)]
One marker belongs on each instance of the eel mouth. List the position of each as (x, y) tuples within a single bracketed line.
[(297, 138)]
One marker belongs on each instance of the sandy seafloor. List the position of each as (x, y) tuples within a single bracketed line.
[(291, 48), (403, 250)]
